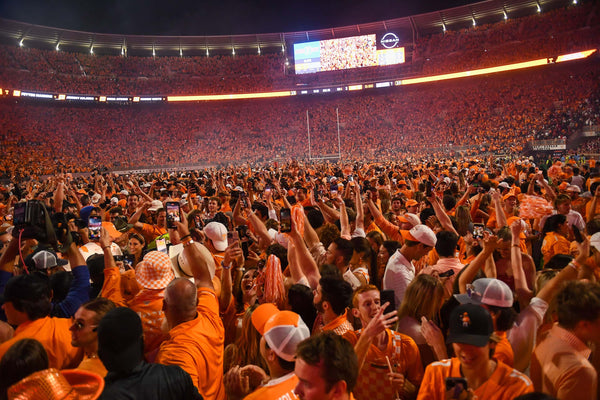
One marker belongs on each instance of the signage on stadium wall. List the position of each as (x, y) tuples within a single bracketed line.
[(548, 147), (390, 40)]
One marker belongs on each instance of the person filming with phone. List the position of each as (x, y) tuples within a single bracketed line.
[(472, 373)]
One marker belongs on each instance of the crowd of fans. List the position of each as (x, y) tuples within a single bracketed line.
[(416, 266), (499, 113), (447, 278), (544, 35)]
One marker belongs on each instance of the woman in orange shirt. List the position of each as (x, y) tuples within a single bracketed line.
[(556, 231)]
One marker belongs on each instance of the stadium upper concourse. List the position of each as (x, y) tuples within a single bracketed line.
[(110, 100)]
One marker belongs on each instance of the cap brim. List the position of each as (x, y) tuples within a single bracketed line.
[(463, 338), (466, 299)]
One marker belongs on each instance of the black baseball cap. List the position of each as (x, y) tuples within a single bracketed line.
[(470, 324)]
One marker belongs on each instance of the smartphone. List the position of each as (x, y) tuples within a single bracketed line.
[(318, 195), (457, 385), (232, 237), (19, 213), (285, 223), (94, 226), (478, 230), (428, 191), (173, 214), (387, 296), (446, 274), (244, 199), (577, 234)]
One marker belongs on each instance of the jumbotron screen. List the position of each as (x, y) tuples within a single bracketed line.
[(346, 53)]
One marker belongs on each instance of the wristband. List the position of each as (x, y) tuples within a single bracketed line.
[(225, 267), (574, 264), (187, 243), (186, 236), (516, 245)]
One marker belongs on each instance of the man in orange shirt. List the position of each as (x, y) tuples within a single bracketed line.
[(472, 369), (196, 333), (331, 301), (376, 345), (27, 304)]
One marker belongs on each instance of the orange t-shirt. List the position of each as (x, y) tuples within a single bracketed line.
[(553, 244), (279, 388), (197, 347), (147, 303), (505, 383), (54, 335), (504, 351)]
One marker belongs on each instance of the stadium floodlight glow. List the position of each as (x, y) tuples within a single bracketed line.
[(21, 42), (259, 49), (92, 50), (207, 54), (229, 96), (57, 47), (180, 53), (574, 1), (539, 9), (474, 22), (233, 51), (443, 27), (505, 15)]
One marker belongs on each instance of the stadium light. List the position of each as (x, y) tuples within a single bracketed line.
[(232, 51), (180, 53), (574, 1), (474, 22), (21, 43), (207, 54), (505, 15), (92, 50), (539, 9), (259, 50), (443, 27), (57, 47)]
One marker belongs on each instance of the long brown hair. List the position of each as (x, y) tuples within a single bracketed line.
[(423, 298)]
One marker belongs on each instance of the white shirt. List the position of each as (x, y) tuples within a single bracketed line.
[(573, 218), (399, 273)]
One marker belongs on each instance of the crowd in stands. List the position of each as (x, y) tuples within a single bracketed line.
[(544, 35), (454, 277), (499, 113)]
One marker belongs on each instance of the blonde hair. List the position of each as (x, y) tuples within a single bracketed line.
[(423, 298)]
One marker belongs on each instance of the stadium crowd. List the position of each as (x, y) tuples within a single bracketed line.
[(544, 35), (441, 279), (498, 113), (417, 266)]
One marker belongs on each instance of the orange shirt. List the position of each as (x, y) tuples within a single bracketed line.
[(391, 231), (404, 356), (93, 365), (505, 383), (279, 388), (339, 326), (147, 303), (553, 244), (504, 351), (54, 335), (197, 347)]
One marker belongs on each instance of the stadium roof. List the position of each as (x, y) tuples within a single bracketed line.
[(408, 29)]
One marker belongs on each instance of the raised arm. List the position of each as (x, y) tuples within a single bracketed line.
[(441, 214), (199, 256), (470, 271), (523, 291)]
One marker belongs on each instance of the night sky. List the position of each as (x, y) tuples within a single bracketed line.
[(222, 17)]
